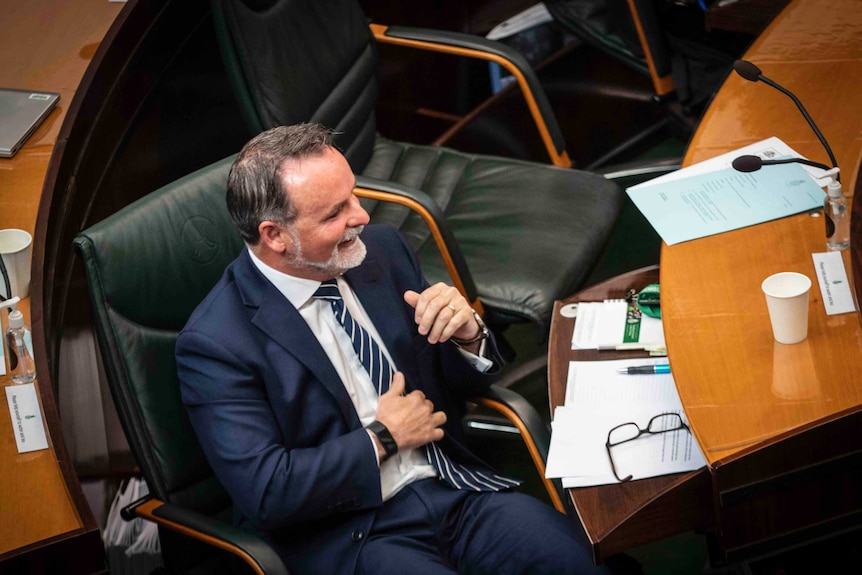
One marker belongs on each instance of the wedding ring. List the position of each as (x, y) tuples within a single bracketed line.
[(452, 307)]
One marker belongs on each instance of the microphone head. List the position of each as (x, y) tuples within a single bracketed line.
[(747, 70), (747, 163)]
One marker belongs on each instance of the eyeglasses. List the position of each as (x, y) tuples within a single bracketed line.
[(625, 432)]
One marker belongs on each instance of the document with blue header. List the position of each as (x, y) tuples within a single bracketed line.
[(711, 203)]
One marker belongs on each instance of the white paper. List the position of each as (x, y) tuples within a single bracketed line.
[(599, 398), (26, 418), (834, 286), (604, 324)]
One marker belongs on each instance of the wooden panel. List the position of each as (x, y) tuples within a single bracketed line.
[(800, 485)]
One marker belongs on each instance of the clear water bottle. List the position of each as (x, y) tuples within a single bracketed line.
[(837, 217), (21, 364)]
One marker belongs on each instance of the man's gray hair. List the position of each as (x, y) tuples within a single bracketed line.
[(254, 186)]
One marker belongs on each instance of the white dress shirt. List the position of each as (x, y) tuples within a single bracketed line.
[(407, 465)]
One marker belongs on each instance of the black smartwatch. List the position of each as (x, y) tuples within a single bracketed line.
[(390, 448)]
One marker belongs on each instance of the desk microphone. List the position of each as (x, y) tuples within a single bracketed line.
[(835, 205), (752, 73), (753, 163)]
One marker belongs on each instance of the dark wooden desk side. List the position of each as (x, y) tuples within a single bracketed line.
[(622, 516), (153, 105), (797, 487), (856, 239)]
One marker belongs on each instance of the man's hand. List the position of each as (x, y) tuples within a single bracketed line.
[(410, 418), (441, 312)]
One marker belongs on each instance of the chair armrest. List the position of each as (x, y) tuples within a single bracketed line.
[(471, 46), (432, 215), (533, 429), (252, 550), (641, 170)]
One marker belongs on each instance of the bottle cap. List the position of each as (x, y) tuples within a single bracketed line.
[(16, 318), (834, 189)]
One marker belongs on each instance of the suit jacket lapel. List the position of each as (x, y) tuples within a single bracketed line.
[(281, 321)]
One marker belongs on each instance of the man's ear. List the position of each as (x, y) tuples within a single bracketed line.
[(273, 237)]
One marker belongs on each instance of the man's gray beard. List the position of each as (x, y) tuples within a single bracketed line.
[(338, 263)]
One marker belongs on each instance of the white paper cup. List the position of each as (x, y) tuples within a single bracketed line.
[(15, 248), (787, 302)]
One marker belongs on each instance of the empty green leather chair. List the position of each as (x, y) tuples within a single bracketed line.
[(527, 233)]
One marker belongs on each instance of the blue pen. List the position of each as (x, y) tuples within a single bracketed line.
[(645, 369)]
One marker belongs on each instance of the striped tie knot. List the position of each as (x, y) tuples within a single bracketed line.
[(367, 349)]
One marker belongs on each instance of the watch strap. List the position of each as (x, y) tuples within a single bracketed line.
[(390, 448), (483, 332)]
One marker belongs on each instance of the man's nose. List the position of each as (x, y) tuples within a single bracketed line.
[(358, 215)]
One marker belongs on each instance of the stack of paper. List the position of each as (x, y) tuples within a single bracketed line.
[(711, 197), (599, 398), (613, 323)]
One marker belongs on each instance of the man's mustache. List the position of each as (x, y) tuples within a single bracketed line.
[(352, 233)]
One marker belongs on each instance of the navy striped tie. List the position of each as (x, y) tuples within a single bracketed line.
[(366, 348), (381, 373)]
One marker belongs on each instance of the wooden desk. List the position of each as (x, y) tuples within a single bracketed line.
[(617, 517), (779, 424), (45, 522)]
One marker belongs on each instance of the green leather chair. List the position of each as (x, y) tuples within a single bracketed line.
[(528, 233), (148, 266), (628, 31)]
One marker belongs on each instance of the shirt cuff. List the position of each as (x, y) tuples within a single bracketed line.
[(373, 446), (479, 362)]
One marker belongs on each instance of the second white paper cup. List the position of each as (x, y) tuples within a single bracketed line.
[(15, 250), (787, 302)]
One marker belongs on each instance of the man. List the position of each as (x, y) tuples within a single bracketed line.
[(345, 461)]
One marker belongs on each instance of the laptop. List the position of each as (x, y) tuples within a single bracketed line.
[(21, 112)]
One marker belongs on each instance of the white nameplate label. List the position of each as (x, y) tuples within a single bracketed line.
[(26, 418), (834, 287)]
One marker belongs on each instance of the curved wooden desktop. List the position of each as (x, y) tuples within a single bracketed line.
[(780, 425), (43, 507), (144, 100)]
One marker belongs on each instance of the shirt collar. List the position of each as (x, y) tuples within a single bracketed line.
[(297, 290)]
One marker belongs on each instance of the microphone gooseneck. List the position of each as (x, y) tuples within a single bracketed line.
[(754, 163), (752, 73)]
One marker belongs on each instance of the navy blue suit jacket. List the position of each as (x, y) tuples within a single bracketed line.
[(276, 422)]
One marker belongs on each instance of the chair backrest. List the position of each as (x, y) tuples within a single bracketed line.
[(148, 266), (293, 61), (626, 30)]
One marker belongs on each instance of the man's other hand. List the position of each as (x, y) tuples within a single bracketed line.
[(442, 312), (410, 418)]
